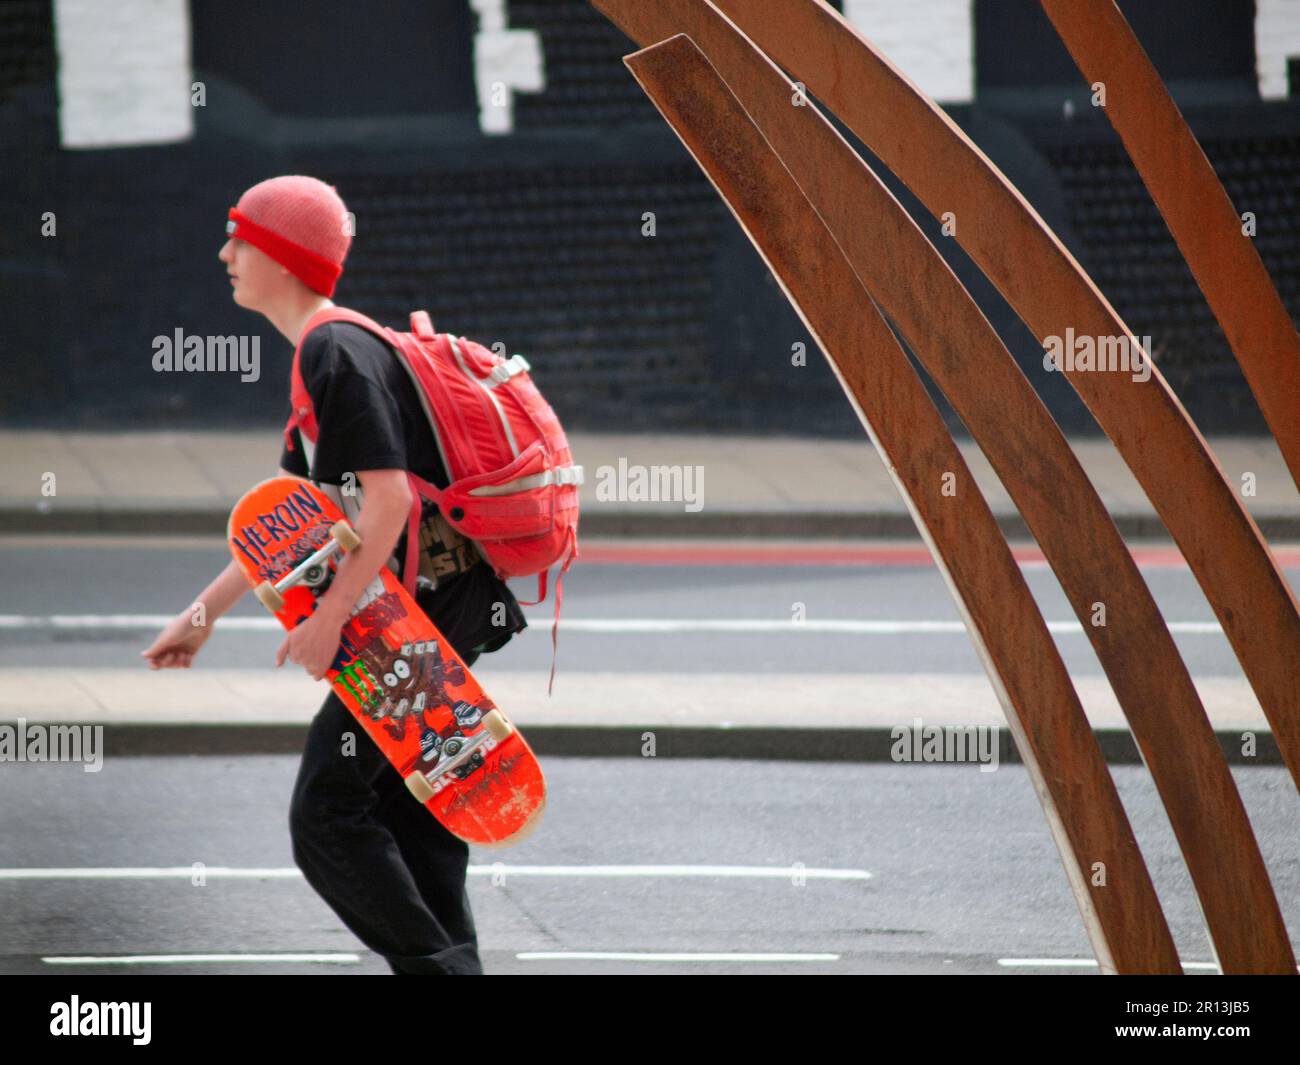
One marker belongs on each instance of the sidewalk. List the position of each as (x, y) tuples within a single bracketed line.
[(732, 486), (841, 717)]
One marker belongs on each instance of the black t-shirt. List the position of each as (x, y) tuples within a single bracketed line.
[(370, 418)]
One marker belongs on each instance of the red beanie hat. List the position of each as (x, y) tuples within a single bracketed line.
[(299, 222)]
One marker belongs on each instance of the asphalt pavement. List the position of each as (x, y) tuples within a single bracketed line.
[(642, 865)]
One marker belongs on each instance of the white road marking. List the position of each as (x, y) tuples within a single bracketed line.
[(190, 959), (1084, 963), (177, 872), (606, 626), (118, 621), (596, 955), (130, 541), (221, 872), (777, 872)]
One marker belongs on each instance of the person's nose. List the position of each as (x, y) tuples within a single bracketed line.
[(227, 252)]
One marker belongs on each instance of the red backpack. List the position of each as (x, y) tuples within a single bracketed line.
[(513, 486)]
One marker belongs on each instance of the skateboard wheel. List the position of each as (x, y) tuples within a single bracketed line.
[(344, 536), (269, 597), (419, 786), (496, 724)]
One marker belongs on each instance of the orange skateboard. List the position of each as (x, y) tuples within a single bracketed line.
[(394, 670)]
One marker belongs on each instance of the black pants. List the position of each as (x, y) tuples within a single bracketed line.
[(382, 862)]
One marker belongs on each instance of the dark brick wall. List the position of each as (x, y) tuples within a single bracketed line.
[(533, 240)]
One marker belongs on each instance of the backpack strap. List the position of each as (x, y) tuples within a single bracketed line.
[(301, 415), (422, 325), (418, 486), (304, 417), (559, 598)]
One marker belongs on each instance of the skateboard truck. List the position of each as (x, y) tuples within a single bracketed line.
[(312, 570), (495, 726)]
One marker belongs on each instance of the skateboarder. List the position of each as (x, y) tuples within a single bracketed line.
[(393, 874)]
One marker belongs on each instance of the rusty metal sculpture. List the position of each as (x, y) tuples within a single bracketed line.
[(968, 362), (1041, 280), (1106, 870), (1222, 257)]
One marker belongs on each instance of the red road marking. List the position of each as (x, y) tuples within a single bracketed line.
[(632, 553)]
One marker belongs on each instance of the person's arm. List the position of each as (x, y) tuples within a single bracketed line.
[(224, 592), (189, 630), (385, 507), (181, 638), (359, 431)]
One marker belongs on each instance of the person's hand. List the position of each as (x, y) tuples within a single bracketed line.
[(313, 644), (178, 642)]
